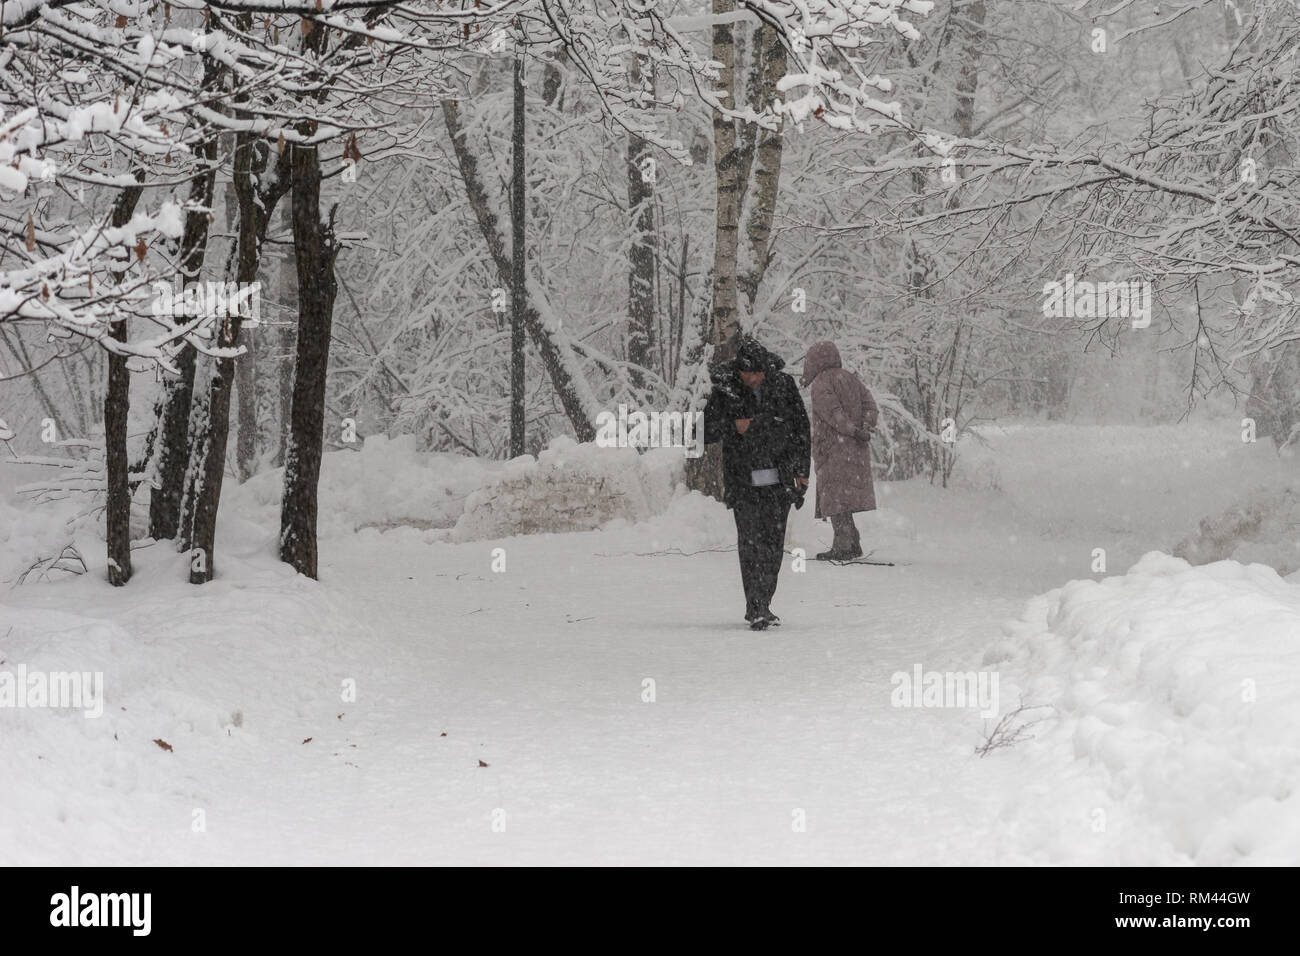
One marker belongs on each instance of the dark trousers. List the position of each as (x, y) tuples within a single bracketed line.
[(846, 532), (761, 515)]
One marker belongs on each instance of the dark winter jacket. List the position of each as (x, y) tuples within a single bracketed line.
[(843, 415), (779, 435)]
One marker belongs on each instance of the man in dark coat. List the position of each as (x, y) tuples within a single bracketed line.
[(843, 414), (756, 412)]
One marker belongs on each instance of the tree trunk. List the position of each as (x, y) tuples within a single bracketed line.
[(642, 251), (732, 158), (641, 258), (246, 428), (968, 71), (767, 169), (246, 408), (173, 409), (730, 188), (315, 251), (211, 454), (518, 285), (117, 408)]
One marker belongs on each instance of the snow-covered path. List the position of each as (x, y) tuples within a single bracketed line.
[(540, 672)]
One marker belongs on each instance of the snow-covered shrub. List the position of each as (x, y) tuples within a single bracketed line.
[(571, 487)]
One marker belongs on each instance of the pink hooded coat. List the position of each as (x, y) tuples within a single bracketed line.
[(843, 415)]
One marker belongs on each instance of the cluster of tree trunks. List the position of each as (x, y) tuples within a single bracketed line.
[(191, 432)]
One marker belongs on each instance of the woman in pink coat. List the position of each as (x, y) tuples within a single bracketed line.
[(843, 415)]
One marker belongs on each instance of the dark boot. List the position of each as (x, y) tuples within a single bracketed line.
[(846, 533)]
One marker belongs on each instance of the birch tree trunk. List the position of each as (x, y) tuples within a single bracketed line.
[(767, 164)]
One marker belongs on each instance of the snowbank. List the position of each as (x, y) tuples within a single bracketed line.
[(1177, 691), (571, 487), (387, 483)]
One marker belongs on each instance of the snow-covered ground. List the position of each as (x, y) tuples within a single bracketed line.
[(445, 696)]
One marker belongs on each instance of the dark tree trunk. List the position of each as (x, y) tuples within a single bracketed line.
[(117, 507), (315, 248), (117, 407), (519, 290)]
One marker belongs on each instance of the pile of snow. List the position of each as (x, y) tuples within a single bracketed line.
[(1177, 726), (387, 483), (571, 487), (1265, 528)]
